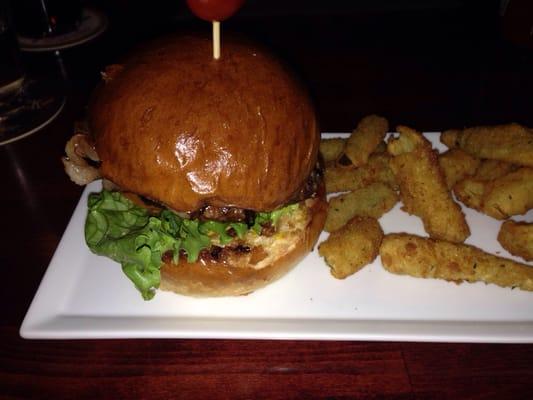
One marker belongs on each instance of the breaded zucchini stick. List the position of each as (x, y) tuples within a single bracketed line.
[(371, 201), (449, 138), (517, 238), (422, 186), (500, 198), (457, 165), (350, 248), (406, 254), (381, 148), (342, 179), (493, 169), (331, 149), (512, 143), (369, 133), (470, 192)]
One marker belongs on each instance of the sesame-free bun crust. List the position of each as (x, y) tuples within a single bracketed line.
[(239, 278), (175, 125)]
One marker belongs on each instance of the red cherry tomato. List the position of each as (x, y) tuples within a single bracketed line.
[(214, 10)]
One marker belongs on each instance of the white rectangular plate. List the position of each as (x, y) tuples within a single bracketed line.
[(86, 296)]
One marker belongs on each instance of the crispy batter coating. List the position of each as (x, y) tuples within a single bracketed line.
[(510, 195), (493, 169), (371, 201), (341, 179), (457, 165), (510, 142), (517, 238), (381, 148), (470, 192), (331, 149), (406, 254), (422, 186), (353, 246), (449, 138), (500, 198), (369, 133)]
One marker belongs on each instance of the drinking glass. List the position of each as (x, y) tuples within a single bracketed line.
[(29, 98)]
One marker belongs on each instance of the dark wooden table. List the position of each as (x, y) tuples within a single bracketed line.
[(428, 68)]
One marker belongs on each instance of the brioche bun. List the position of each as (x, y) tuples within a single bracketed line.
[(178, 127)]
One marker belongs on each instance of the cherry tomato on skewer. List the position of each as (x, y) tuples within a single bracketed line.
[(214, 10)]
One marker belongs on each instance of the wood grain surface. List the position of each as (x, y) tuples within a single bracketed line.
[(431, 68)]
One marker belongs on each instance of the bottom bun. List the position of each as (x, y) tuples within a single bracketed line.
[(239, 275)]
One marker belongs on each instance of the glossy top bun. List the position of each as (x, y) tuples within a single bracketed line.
[(175, 125)]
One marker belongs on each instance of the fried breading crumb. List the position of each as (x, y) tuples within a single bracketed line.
[(517, 238)]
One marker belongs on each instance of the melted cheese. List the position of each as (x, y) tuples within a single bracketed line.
[(288, 233)]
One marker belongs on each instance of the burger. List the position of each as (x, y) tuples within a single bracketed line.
[(211, 180)]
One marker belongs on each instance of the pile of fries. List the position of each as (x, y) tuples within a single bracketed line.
[(489, 169)]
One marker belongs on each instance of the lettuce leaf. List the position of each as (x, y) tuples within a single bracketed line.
[(117, 228), (272, 217), (124, 232)]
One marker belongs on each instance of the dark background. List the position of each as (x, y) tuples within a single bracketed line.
[(433, 64)]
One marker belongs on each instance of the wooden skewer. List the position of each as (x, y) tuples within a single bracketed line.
[(216, 40)]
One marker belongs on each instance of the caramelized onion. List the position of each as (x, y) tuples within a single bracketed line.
[(79, 151)]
